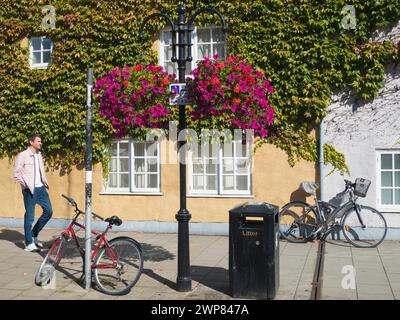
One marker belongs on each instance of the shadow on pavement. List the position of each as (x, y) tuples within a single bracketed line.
[(155, 253), (215, 278), (13, 236)]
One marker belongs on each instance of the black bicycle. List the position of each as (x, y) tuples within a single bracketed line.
[(362, 226)]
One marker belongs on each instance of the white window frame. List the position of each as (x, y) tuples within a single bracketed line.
[(219, 175), (31, 51), (135, 189), (380, 206), (132, 189), (194, 47)]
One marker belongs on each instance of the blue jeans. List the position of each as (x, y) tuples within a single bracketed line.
[(40, 197)]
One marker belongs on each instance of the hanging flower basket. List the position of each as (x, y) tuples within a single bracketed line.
[(233, 94), (134, 98)]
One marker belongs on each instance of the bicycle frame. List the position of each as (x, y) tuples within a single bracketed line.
[(326, 220), (100, 238)]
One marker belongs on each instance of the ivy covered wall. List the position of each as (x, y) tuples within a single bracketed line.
[(301, 44)]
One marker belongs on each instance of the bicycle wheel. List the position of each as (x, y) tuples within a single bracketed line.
[(368, 236), (297, 221), (46, 270), (120, 278)]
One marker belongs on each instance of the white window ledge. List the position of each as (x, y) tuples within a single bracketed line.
[(246, 196), (383, 209), (122, 193)]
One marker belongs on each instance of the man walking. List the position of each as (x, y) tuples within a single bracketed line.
[(29, 173)]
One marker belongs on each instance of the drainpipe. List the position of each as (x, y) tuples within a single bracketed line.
[(321, 159)]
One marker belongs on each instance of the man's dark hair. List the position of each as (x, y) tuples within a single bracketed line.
[(33, 136)]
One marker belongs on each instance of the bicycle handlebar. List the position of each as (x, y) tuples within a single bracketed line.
[(73, 203), (349, 184)]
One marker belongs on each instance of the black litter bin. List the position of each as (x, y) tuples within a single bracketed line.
[(254, 250)]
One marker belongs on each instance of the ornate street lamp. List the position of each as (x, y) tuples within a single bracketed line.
[(184, 42)]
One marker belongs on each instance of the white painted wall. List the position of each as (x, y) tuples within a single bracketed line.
[(359, 128)]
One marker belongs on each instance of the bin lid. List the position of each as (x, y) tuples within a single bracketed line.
[(252, 208)]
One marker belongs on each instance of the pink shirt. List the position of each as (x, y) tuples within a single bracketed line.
[(25, 167)]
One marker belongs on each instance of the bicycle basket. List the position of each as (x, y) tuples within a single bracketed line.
[(361, 187)]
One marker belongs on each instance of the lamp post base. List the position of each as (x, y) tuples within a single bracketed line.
[(183, 281), (184, 284)]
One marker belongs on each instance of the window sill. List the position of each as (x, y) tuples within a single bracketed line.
[(39, 67), (244, 196), (388, 209), (123, 193)]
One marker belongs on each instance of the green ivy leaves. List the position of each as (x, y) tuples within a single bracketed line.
[(301, 45)]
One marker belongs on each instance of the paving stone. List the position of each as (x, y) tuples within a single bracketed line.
[(363, 296), (6, 294), (373, 289)]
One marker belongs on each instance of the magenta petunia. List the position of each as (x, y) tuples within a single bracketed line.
[(234, 93)]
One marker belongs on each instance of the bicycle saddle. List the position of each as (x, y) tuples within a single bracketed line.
[(309, 187), (114, 220)]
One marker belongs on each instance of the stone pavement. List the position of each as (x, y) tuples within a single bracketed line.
[(379, 269), (376, 272)]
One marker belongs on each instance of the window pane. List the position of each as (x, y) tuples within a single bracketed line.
[(152, 165), (114, 149), (228, 183), (151, 149), (211, 167), (386, 161), (112, 180), (203, 35), (170, 68), (46, 44), (113, 165), (36, 43), (167, 38), (139, 165), (139, 149), (219, 49), (198, 182), (241, 166), (139, 181), (124, 180), (397, 179), (152, 181), (387, 196), (241, 183), (241, 150), (198, 166), (227, 149), (124, 165), (46, 57), (218, 35), (397, 196), (124, 149), (397, 161), (37, 57), (211, 183), (167, 53), (188, 68), (227, 166), (386, 179), (204, 50)]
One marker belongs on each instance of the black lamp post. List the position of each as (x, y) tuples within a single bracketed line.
[(184, 282)]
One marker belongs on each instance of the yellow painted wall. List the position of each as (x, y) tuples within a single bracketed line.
[(274, 181)]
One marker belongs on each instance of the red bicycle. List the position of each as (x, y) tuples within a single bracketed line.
[(116, 264)]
